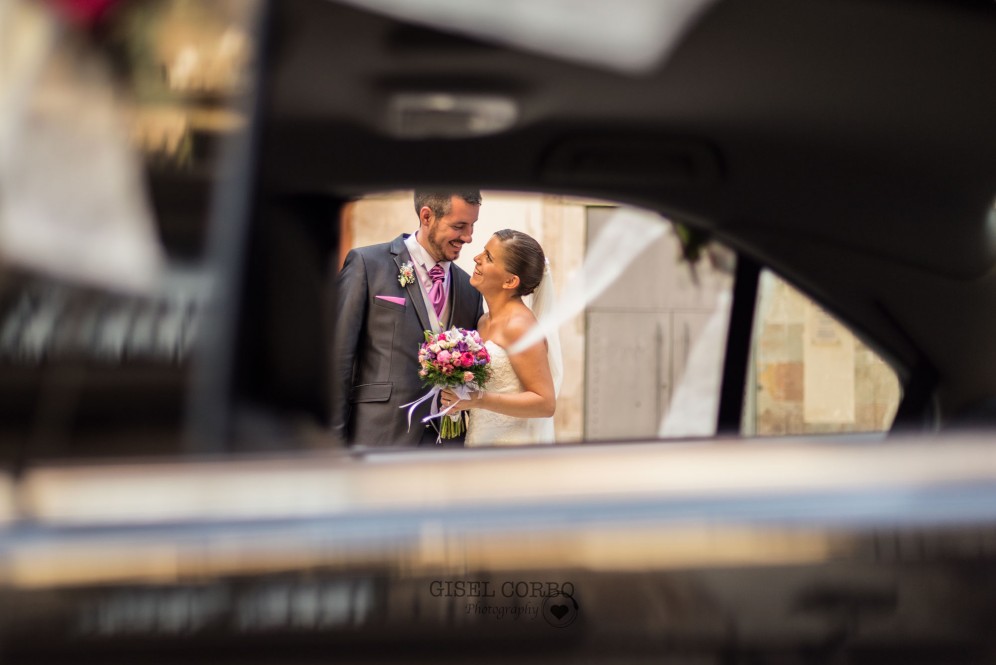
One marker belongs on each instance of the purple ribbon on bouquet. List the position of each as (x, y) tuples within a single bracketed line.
[(463, 392)]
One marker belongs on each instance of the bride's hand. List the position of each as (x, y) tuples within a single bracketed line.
[(448, 397)]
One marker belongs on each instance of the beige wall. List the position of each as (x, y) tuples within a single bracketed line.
[(813, 375), (556, 223)]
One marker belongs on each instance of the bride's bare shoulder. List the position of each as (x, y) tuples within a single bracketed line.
[(518, 325)]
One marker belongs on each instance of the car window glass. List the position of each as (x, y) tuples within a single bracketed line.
[(643, 356), (809, 374)]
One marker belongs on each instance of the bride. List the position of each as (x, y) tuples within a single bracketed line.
[(519, 400)]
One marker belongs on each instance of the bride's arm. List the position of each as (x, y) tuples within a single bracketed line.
[(537, 399)]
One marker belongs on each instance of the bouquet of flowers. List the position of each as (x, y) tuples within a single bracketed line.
[(454, 359)]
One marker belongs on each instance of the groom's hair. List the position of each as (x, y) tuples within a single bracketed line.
[(524, 258), (440, 202)]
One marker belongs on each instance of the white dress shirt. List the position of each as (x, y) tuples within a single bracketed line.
[(423, 263)]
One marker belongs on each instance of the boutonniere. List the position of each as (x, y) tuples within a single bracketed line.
[(407, 274)]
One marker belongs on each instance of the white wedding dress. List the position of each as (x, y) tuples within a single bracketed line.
[(487, 428)]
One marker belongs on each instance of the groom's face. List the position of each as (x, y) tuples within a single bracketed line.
[(445, 236)]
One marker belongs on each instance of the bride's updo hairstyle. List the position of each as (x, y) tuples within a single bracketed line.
[(524, 258)]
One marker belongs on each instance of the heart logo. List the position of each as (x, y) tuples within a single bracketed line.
[(559, 611)]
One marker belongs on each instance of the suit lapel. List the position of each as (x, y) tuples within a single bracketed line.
[(402, 256)]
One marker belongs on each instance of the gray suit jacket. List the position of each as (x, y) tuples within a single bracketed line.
[(376, 346)]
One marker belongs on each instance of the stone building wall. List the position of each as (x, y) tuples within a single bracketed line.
[(812, 375)]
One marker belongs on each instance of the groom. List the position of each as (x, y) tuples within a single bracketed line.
[(389, 294)]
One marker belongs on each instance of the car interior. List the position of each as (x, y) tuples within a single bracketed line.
[(832, 166), (171, 487)]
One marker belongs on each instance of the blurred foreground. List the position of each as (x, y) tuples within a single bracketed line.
[(631, 553)]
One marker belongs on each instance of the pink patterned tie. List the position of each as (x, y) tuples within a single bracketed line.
[(437, 294)]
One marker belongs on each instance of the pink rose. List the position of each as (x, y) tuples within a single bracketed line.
[(468, 377), (467, 359), (443, 357)]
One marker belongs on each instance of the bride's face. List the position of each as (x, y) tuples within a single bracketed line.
[(489, 268)]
